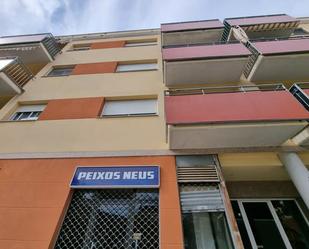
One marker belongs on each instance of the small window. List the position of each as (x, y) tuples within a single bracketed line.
[(137, 43), (80, 47), (300, 31), (140, 107), (60, 71), (137, 67), (27, 112)]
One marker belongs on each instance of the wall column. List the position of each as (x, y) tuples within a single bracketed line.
[(298, 172)]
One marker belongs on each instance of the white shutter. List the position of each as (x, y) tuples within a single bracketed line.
[(130, 107), (196, 198), (31, 108), (136, 67)]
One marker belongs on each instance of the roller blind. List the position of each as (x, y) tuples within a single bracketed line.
[(130, 107), (31, 108), (136, 67)]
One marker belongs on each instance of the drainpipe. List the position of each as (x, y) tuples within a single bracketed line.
[(298, 173)]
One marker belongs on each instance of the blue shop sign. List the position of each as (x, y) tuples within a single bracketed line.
[(116, 177)]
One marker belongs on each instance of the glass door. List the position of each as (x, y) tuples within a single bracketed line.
[(261, 223)]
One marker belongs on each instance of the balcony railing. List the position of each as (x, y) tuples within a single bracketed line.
[(259, 26), (232, 117), (32, 49), (270, 58), (16, 71), (191, 32), (225, 89)]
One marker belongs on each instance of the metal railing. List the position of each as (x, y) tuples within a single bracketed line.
[(202, 44), (282, 38), (225, 89), (51, 45), (17, 71)]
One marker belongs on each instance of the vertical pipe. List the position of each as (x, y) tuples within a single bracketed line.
[(229, 210), (298, 173)]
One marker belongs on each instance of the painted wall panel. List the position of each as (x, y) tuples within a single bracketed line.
[(233, 107), (72, 108), (95, 68), (206, 51), (284, 46), (30, 220)]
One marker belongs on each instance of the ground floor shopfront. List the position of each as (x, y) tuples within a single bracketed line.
[(192, 207)]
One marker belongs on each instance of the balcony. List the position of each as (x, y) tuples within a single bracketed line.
[(261, 26), (279, 60), (34, 50), (13, 76), (234, 117), (197, 32), (204, 64)]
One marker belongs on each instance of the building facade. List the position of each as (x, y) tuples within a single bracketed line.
[(194, 135)]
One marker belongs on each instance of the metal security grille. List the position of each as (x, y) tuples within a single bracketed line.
[(198, 197), (110, 219)]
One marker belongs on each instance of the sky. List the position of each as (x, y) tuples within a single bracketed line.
[(67, 17)]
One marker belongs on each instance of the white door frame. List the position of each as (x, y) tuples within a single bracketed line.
[(275, 217)]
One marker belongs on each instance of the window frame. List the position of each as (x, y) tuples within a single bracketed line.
[(140, 43), (54, 68), (30, 109), (80, 47), (118, 70), (145, 114)]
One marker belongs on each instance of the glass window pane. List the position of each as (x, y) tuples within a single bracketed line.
[(263, 225), (293, 222), (136, 67), (60, 71), (241, 225), (130, 107), (206, 231)]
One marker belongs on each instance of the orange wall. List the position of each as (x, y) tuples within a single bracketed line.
[(102, 45), (72, 108), (93, 68), (33, 195)]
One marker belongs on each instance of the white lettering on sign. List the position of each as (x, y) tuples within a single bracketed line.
[(110, 175)]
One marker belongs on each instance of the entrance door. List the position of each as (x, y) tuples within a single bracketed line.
[(270, 224)]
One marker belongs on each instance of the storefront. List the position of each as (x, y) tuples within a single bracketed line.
[(113, 207)]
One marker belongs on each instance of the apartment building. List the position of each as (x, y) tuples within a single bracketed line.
[(194, 135)]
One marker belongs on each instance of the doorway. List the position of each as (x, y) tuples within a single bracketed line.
[(268, 224)]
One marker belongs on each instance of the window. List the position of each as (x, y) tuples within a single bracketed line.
[(80, 47), (27, 112), (137, 43), (60, 71), (300, 31), (130, 107), (136, 67)]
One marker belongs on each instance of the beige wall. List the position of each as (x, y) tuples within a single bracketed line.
[(108, 134)]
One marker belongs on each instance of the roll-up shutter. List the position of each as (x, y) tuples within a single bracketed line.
[(200, 197), (199, 184)]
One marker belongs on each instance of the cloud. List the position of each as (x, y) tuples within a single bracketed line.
[(87, 16)]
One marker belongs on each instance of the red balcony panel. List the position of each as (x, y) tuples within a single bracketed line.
[(283, 46), (260, 20), (233, 107), (306, 91), (206, 51), (185, 26)]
